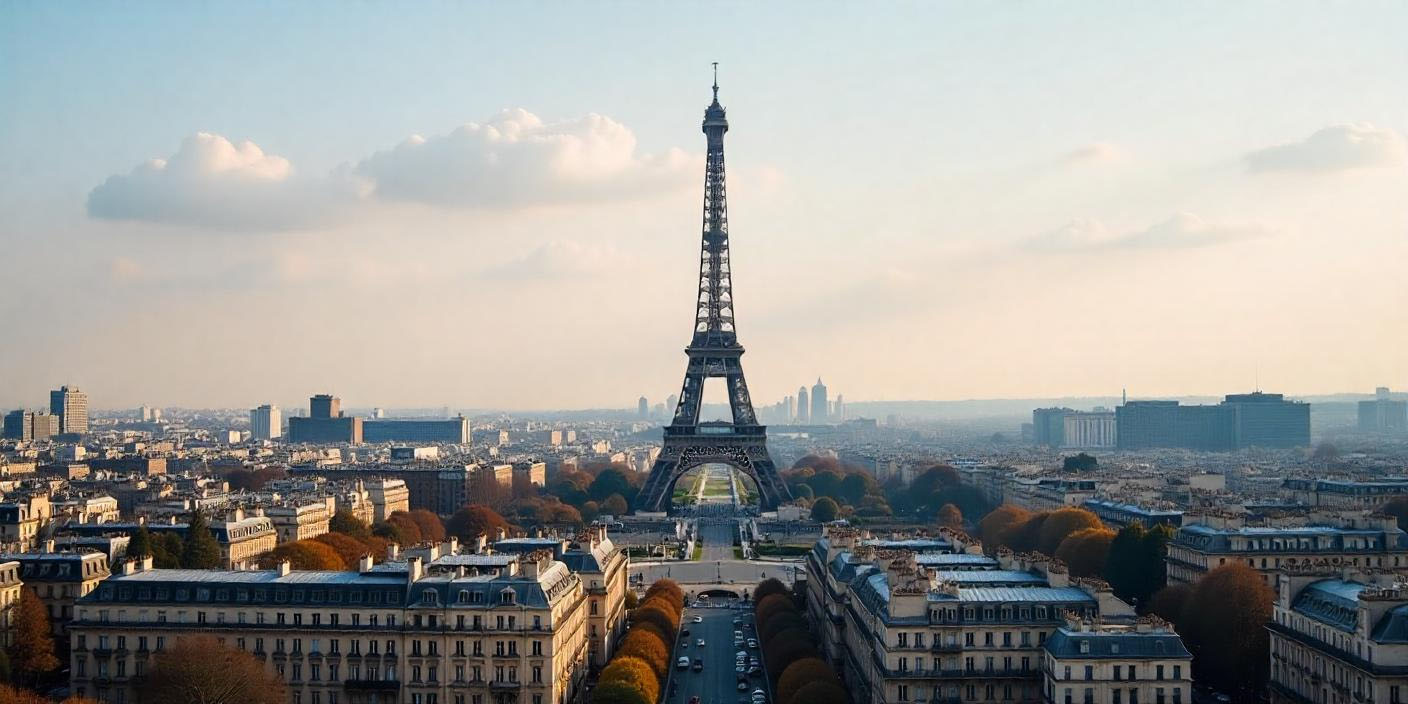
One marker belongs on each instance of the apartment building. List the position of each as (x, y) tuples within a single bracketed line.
[(10, 585), (60, 579), (515, 630), (1339, 639), (943, 625), (1146, 663), (1208, 539), (301, 519)]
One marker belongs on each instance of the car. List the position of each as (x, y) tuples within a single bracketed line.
[(759, 692), (698, 619), (755, 670), (737, 634), (684, 632), (741, 669), (753, 643), (743, 685), (682, 663), (700, 643), (741, 654), (698, 664)]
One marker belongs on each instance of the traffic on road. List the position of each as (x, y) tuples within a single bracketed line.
[(717, 659)]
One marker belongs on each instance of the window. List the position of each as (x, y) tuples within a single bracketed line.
[(1159, 673), (1089, 672)]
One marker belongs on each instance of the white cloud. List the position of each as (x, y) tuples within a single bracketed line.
[(513, 160), (1095, 153), (517, 159), (213, 182), (1334, 148), (1182, 231), (561, 259)]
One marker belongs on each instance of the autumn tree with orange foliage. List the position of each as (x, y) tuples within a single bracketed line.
[(801, 673), (950, 517), (643, 642), (32, 646), (15, 695), (1224, 625), (431, 529), (618, 693), (1168, 603), (201, 670), (347, 547), (634, 672), (670, 590), (1061, 523), (304, 555), (1085, 551), (472, 521), (820, 693), (996, 527)]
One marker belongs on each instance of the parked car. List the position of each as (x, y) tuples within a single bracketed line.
[(698, 619), (743, 685), (700, 643), (682, 663), (698, 664)]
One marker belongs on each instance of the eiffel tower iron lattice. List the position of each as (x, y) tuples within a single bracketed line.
[(713, 352)]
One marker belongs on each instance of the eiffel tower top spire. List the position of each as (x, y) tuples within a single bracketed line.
[(713, 323)]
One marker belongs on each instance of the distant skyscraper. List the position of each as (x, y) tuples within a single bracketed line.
[(643, 407), (19, 425), (1383, 414), (819, 409), (790, 409), (266, 422), (71, 406), (804, 409), (378, 413), (324, 406), (671, 403), (144, 414), (840, 413)]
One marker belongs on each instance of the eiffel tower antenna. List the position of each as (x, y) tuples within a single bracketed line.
[(713, 353)]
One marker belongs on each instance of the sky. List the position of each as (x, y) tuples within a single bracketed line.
[(494, 205)]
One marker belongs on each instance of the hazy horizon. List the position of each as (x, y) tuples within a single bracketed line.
[(498, 207)]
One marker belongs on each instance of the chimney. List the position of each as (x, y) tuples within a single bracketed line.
[(413, 569), (49, 546), (146, 563), (481, 543), (129, 567), (500, 534), (284, 567), (365, 563), (393, 552), (451, 546)]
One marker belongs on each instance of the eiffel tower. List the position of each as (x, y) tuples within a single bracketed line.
[(713, 352)]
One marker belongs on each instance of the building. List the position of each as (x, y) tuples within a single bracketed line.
[(1339, 639), (325, 424), (301, 520), (534, 473), (1209, 539), (415, 454), (387, 497), (21, 518), (1240, 421), (454, 431), (71, 406), (1342, 494), (266, 423), (244, 539), (934, 620), (60, 579), (1117, 514), (1088, 430), (31, 425), (1094, 664), (1049, 425), (1383, 414), (804, 410), (10, 585), (820, 411), (642, 407), (449, 630)]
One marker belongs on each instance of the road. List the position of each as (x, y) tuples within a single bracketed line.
[(716, 539), (717, 683)]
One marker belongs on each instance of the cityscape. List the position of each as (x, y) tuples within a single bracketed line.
[(415, 428)]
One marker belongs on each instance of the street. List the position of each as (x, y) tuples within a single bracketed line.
[(717, 683)]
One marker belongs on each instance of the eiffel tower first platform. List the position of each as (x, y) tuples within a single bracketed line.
[(713, 352)]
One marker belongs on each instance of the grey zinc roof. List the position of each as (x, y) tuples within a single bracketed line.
[(992, 577), (1333, 602), (1393, 627), (1065, 643), (1008, 595)]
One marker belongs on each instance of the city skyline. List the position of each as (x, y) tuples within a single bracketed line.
[(1222, 205)]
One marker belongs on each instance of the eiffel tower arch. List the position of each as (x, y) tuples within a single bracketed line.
[(713, 352)]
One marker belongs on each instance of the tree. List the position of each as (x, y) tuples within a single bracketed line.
[(1224, 625), (659, 613), (140, 545), (780, 622), (1061, 523), (646, 644), (670, 590), (431, 529), (618, 693), (820, 693), (347, 547), (799, 674), (166, 550), (1135, 568), (825, 509), (1085, 551), (611, 481), (201, 670), (1398, 508), (304, 555), (199, 551), (632, 601), (472, 521), (636, 672), (614, 505), (1325, 453), (347, 523), (766, 588), (995, 527), (950, 516), (32, 650), (405, 527), (1168, 603), (789, 647), (1080, 463), (772, 604), (1025, 536)]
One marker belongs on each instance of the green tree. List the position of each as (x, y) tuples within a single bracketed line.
[(347, 523), (1080, 463), (611, 481), (825, 509), (614, 505), (166, 550), (199, 551), (140, 545), (32, 650)]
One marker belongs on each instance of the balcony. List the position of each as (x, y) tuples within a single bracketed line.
[(505, 685), (954, 647), (372, 685)]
